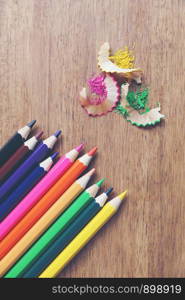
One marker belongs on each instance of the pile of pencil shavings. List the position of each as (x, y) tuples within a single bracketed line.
[(119, 88)]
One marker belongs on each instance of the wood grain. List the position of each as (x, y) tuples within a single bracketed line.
[(48, 49)]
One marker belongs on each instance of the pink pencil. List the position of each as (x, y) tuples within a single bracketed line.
[(38, 191)]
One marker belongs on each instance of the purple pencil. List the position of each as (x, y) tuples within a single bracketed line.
[(36, 157)]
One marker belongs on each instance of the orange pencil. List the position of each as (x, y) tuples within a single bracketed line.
[(45, 203)]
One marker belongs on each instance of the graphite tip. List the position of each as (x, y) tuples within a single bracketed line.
[(30, 124), (57, 133), (100, 182), (54, 155), (39, 134), (92, 151), (79, 148), (107, 192)]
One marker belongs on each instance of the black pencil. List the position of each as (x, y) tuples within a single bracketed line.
[(18, 157), (15, 142)]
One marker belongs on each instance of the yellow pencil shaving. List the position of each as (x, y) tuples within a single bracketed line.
[(123, 58)]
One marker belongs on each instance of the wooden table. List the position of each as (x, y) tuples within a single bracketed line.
[(47, 51)]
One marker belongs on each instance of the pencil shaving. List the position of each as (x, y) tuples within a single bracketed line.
[(121, 63), (101, 96), (149, 118)]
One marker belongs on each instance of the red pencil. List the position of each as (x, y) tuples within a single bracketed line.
[(18, 157)]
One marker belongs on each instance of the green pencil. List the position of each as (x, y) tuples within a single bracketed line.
[(67, 236), (55, 230)]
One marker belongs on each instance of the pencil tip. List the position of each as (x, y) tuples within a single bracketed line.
[(39, 134), (116, 202), (107, 192), (99, 183), (54, 155), (122, 195), (57, 133), (79, 148), (30, 124), (92, 151), (91, 172)]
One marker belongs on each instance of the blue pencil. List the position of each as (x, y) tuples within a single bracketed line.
[(61, 242), (36, 157), (26, 185)]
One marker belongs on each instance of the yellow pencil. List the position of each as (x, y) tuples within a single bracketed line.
[(83, 237), (54, 211)]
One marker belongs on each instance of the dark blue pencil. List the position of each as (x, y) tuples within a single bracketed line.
[(26, 185), (36, 157), (61, 242), (15, 142)]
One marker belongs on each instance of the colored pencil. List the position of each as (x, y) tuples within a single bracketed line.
[(26, 185), (45, 202), (60, 225), (15, 142), (34, 263), (37, 156), (39, 191), (17, 158), (39, 227), (85, 235), (64, 163)]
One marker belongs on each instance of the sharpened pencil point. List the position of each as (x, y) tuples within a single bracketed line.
[(99, 183), (122, 195), (79, 148), (91, 172), (30, 124), (57, 133), (54, 155), (116, 202), (107, 192), (39, 134), (92, 151)]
